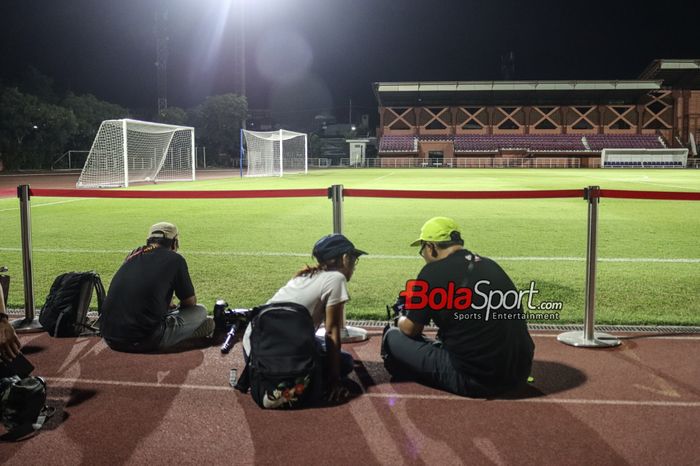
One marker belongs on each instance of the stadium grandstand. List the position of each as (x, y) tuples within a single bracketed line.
[(541, 123)]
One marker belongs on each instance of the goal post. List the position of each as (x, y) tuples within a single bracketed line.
[(127, 151), (644, 158), (273, 153)]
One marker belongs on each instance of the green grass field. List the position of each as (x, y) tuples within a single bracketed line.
[(244, 249)]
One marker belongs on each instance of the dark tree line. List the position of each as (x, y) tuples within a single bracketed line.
[(37, 125)]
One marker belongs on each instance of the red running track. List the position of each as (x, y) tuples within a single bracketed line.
[(638, 404)]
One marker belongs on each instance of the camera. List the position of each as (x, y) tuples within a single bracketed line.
[(231, 321), (397, 309)]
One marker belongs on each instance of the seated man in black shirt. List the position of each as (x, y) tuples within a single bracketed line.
[(476, 352), (138, 314)]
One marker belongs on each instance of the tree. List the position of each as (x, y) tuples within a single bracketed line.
[(90, 112), (217, 122), (34, 82), (315, 146), (173, 116), (32, 131)]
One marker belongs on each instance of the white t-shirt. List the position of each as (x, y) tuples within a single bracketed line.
[(315, 293)]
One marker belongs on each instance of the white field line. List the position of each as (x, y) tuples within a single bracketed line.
[(545, 400), (46, 203), (692, 188), (383, 176), (368, 257)]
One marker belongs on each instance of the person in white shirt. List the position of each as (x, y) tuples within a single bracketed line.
[(323, 290)]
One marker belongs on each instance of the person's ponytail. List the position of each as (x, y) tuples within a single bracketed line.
[(309, 271)]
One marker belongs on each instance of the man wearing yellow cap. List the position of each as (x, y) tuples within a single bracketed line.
[(138, 314), (478, 352)]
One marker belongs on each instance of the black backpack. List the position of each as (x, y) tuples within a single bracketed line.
[(23, 407), (64, 313), (284, 367)]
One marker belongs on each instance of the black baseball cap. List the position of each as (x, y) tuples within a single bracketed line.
[(334, 245)]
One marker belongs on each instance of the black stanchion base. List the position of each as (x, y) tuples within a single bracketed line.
[(28, 326), (599, 340)]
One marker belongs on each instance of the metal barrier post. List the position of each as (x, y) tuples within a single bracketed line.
[(588, 338), (336, 195), (348, 333), (29, 323)]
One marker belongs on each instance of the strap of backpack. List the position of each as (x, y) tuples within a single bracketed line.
[(100, 291), (243, 382), (46, 412), (58, 323)]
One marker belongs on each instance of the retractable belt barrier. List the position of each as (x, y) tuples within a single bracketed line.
[(592, 194)]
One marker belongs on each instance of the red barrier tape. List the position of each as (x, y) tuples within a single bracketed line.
[(661, 195), (379, 193), (179, 194), (8, 192), (463, 194)]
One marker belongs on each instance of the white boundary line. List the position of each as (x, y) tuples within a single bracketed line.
[(545, 400), (47, 203), (681, 260), (692, 188), (383, 176), (220, 388), (640, 336)]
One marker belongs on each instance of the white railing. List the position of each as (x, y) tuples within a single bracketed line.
[(70, 160), (456, 162)]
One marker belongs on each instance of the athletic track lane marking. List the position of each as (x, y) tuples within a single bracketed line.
[(574, 401)]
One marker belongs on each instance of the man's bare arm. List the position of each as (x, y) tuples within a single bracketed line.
[(408, 327)]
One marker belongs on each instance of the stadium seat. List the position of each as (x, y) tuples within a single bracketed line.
[(626, 141), (397, 144), (530, 142)]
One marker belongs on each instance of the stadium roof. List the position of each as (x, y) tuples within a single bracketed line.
[(511, 92), (680, 74)]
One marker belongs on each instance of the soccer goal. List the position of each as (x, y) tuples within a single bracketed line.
[(644, 158), (273, 153), (128, 151)]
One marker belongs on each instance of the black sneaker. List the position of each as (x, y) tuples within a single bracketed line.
[(206, 329)]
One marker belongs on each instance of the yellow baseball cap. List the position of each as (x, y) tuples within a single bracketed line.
[(436, 230)]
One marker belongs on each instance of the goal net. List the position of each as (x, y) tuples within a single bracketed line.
[(274, 153), (128, 151), (644, 158)]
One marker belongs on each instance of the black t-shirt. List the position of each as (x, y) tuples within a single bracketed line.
[(141, 292), (494, 350)]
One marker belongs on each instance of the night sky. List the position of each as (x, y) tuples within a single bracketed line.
[(308, 55)]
